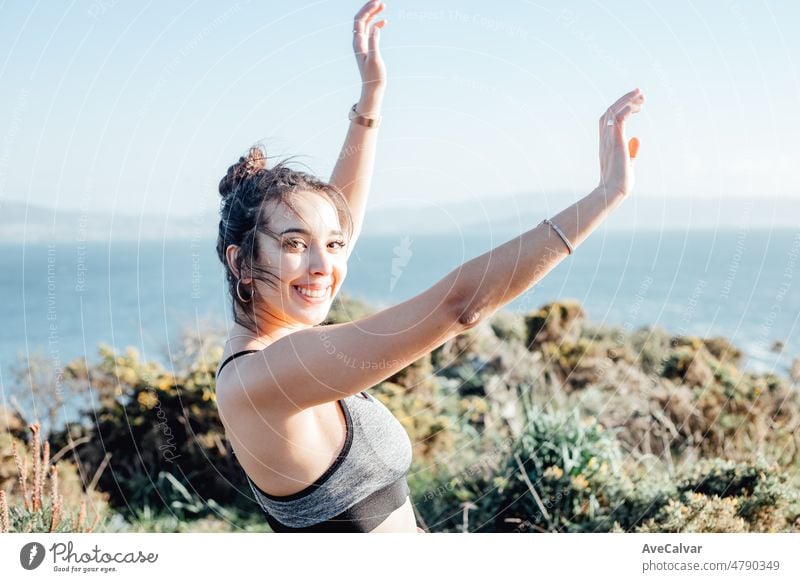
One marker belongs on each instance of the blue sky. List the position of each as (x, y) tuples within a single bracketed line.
[(141, 106)]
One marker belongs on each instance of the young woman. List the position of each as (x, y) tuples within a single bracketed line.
[(320, 453)]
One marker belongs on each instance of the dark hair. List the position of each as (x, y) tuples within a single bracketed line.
[(246, 190)]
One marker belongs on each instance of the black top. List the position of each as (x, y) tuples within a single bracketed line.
[(361, 517), (236, 355)]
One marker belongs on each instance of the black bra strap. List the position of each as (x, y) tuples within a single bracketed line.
[(236, 355)]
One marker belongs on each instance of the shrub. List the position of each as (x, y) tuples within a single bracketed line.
[(29, 508), (765, 501), (508, 326), (553, 478), (652, 345), (554, 322), (713, 495), (723, 350), (153, 423)]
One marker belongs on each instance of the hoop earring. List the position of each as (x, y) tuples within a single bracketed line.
[(239, 293)]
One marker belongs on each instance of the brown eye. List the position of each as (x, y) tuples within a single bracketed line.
[(341, 243), (294, 244)]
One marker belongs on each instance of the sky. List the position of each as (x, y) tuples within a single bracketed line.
[(140, 107)]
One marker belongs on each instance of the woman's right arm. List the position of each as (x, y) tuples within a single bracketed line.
[(322, 364)]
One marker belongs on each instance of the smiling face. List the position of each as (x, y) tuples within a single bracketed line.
[(308, 253)]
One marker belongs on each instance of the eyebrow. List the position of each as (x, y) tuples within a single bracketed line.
[(307, 233)]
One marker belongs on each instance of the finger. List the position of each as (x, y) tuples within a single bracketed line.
[(368, 26), (635, 96), (617, 117), (608, 121), (625, 98), (361, 31), (633, 105), (633, 147), (375, 35), (623, 114), (364, 15), (366, 9), (360, 45), (608, 112)]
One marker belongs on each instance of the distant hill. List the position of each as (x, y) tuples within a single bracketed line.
[(32, 223), (519, 213)]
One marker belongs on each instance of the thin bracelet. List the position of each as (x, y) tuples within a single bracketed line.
[(561, 234)]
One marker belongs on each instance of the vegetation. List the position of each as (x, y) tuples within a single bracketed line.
[(29, 507), (527, 423)]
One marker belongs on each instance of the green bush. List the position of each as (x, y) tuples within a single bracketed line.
[(554, 322), (159, 430), (553, 478), (485, 459), (508, 326), (710, 495)]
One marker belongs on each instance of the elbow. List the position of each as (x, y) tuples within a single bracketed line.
[(468, 314), (466, 308), (469, 318)]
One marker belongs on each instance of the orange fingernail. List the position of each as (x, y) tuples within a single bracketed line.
[(633, 146)]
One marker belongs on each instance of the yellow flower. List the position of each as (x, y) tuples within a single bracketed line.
[(147, 399), (165, 383), (592, 463), (579, 482), (554, 472), (128, 376)]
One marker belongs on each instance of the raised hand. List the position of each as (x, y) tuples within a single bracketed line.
[(616, 153), (366, 40)]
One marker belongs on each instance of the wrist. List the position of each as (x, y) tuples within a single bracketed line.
[(611, 196), (370, 101)]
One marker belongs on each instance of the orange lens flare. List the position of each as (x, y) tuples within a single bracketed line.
[(633, 147)]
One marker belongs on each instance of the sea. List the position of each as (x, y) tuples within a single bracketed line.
[(61, 300)]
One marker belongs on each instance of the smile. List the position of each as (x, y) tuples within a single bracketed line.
[(316, 296)]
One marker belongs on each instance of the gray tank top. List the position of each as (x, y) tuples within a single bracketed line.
[(368, 475)]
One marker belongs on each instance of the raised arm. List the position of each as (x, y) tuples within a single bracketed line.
[(352, 173), (490, 281), (322, 364)]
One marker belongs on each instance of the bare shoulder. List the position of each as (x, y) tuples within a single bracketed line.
[(234, 388)]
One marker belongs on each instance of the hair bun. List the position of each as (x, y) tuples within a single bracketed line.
[(254, 162)]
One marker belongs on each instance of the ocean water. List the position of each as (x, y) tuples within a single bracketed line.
[(61, 300)]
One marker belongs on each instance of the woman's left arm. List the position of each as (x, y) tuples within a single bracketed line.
[(352, 173)]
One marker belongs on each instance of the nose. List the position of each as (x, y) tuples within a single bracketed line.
[(319, 261)]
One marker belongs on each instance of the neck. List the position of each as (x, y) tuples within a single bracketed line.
[(265, 334)]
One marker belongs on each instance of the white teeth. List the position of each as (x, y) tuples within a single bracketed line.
[(314, 294)]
